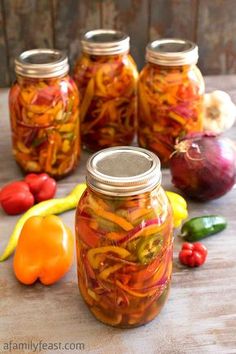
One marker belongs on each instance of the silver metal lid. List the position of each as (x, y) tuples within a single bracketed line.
[(171, 52), (42, 63), (123, 171), (105, 42)]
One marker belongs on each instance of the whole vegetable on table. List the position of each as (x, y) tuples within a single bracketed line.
[(44, 250), (202, 226), (203, 166), (48, 207), (17, 197), (193, 254), (219, 112), (179, 207), (41, 185)]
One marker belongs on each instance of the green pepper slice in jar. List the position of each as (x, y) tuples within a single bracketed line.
[(148, 248)]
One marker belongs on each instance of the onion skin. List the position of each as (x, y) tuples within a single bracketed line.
[(204, 167)]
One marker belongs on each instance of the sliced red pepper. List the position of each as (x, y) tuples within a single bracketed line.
[(87, 235)]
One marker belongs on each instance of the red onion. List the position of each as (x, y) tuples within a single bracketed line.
[(203, 166), (135, 231)]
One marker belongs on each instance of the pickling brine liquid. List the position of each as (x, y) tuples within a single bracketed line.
[(170, 106), (44, 117), (108, 89), (124, 255)]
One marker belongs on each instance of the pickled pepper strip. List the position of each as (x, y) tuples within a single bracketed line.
[(123, 283), (93, 254), (108, 271), (127, 226), (135, 293), (170, 105), (107, 85), (87, 99), (40, 110)]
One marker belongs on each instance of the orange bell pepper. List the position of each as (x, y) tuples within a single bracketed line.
[(44, 250)]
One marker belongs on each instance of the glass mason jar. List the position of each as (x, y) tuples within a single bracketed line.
[(124, 237), (106, 76), (170, 96), (44, 113)]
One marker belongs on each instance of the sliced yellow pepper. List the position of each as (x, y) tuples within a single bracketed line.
[(95, 253), (109, 270), (122, 222)]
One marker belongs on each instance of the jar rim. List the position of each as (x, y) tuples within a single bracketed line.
[(42, 63), (105, 42), (172, 52), (123, 171)]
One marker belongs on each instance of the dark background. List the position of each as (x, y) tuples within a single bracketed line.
[(27, 24)]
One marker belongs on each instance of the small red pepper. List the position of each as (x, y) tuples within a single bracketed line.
[(41, 185), (16, 198), (193, 254)]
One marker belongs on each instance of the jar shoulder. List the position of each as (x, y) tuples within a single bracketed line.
[(90, 62), (171, 75)]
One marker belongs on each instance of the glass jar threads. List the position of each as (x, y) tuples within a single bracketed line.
[(106, 76), (124, 237), (44, 113), (170, 95)]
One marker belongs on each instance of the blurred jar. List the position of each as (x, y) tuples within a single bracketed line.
[(170, 96), (124, 237), (106, 76), (44, 112)]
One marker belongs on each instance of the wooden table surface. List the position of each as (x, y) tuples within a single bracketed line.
[(200, 316)]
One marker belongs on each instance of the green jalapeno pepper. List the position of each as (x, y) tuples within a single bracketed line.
[(148, 248), (200, 227)]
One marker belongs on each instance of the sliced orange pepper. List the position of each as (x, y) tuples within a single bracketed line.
[(133, 215), (115, 236), (135, 293), (177, 118), (127, 226), (88, 96), (28, 95)]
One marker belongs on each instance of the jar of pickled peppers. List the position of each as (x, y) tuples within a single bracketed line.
[(124, 237), (170, 96), (44, 113), (106, 76)]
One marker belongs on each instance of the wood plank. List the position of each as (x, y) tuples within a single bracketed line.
[(216, 36), (4, 78), (71, 19), (173, 18), (28, 26), (130, 16)]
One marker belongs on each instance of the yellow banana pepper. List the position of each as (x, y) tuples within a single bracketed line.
[(179, 207)]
